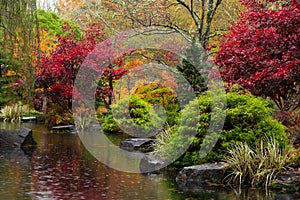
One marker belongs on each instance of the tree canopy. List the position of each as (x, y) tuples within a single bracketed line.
[(262, 52)]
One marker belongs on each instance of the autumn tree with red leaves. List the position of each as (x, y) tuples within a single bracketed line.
[(55, 79), (262, 52)]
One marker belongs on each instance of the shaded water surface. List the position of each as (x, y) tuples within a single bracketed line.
[(61, 168)]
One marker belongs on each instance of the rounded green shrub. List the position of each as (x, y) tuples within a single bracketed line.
[(248, 119), (109, 124), (133, 115)]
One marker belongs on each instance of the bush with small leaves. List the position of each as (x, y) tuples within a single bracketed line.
[(133, 115), (248, 119)]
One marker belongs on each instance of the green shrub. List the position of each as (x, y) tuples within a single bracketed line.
[(248, 119), (144, 119), (34, 113), (109, 124)]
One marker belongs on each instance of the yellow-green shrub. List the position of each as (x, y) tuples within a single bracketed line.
[(143, 120)]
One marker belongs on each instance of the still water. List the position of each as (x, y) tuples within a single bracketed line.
[(61, 168)]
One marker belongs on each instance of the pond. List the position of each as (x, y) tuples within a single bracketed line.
[(61, 168)]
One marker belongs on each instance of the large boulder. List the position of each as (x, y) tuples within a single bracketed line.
[(21, 138), (205, 175)]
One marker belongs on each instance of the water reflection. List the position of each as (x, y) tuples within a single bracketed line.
[(61, 168)]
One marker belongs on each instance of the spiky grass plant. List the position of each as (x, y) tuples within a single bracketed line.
[(83, 117), (259, 165), (12, 113), (162, 140)]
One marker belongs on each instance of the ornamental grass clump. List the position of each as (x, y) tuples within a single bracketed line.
[(83, 117), (258, 165), (162, 139), (13, 112)]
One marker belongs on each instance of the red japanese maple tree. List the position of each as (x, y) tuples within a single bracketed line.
[(55, 79), (262, 51)]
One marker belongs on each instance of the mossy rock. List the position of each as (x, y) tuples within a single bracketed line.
[(282, 187)]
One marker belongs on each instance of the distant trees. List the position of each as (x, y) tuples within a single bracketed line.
[(195, 18), (81, 12), (192, 18), (19, 46)]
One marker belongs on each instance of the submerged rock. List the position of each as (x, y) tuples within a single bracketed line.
[(21, 138), (205, 175)]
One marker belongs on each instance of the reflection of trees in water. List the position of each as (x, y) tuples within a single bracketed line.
[(61, 168), (14, 164), (66, 170)]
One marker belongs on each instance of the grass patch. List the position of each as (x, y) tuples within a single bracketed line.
[(259, 165)]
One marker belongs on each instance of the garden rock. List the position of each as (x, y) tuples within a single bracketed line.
[(296, 142), (136, 143), (21, 138), (150, 163), (209, 174), (288, 181)]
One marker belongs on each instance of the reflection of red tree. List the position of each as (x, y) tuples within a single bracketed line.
[(61, 172), (63, 169)]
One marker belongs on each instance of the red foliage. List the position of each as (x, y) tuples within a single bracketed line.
[(58, 71), (262, 53)]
